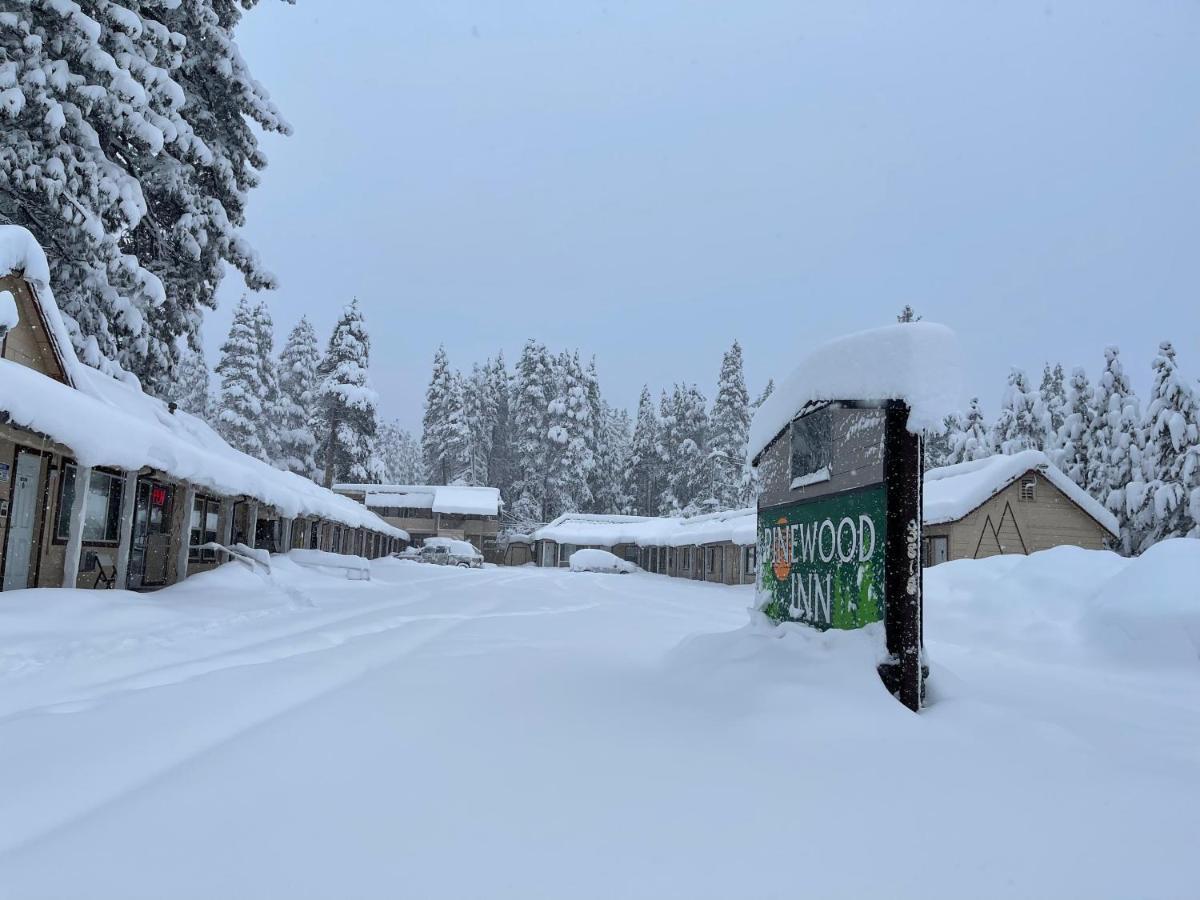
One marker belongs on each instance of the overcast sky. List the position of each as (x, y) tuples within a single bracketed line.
[(647, 181)]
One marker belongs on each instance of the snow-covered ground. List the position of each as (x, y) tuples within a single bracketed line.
[(524, 733)]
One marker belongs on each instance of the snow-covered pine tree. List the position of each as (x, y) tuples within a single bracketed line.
[(479, 416), (613, 462), (937, 446), (1021, 424), (598, 434), (269, 423), (347, 404), (643, 481), (973, 440), (908, 314), (1114, 443), (241, 406), (571, 438), (299, 362), (1077, 428), (445, 434), (126, 146), (766, 392), (1053, 395), (400, 454), (534, 390), (1161, 505), (729, 431), (191, 390), (685, 454), (500, 462)]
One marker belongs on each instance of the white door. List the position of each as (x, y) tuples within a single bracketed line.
[(22, 515)]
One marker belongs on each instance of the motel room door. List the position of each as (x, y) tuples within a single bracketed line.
[(22, 522), (148, 551)]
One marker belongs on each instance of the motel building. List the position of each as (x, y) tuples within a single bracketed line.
[(104, 486), (461, 512)]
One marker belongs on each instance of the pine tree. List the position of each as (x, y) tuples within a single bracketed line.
[(1021, 424), (1077, 428), (500, 462), (241, 405), (400, 454), (766, 392), (445, 435), (479, 408), (535, 389), (269, 422), (908, 314), (1114, 441), (1054, 405), (644, 479), (973, 440), (684, 453), (191, 389), (570, 459), (1161, 505), (127, 146), (937, 446), (729, 432), (347, 403), (612, 464), (299, 362)]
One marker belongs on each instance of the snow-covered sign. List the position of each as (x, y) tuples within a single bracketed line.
[(838, 450)]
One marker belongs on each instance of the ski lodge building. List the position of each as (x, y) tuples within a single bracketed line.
[(102, 485), (430, 510)]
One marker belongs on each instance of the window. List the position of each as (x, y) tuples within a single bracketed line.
[(101, 511), (205, 513), (749, 559), (812, 447), (710, 559), (564, 553), (336, 544), (314, 535), (1029, 488), (687, 559)]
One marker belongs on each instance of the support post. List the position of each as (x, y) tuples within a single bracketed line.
[(251, 523), (904, 672), (185, 538), (83, 480), (285, 538), (125, 543)]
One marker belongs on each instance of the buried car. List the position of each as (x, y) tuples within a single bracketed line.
[(600, 561), (450, 552)]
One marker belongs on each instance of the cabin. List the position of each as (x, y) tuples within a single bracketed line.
[(459, 512), (718, 547), (104, 486), (1009, 504)]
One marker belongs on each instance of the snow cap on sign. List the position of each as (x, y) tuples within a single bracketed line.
[(917, 362)]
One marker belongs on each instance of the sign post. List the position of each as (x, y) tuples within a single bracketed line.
[(839, 530)]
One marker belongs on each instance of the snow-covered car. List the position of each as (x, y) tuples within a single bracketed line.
[(449, 552), (600, 561)]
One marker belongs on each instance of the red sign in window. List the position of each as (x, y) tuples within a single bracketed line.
[(158, 495)]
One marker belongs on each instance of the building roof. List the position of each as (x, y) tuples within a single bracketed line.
[(452, 499), (917, 362), (738, 526), (952, 492), (106, 422)]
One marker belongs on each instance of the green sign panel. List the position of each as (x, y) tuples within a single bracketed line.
[(823, 560)]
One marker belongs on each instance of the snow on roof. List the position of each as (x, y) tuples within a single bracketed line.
[(738, 526), (395, 500), (21, 253), (951, 492), (106, 422), (453, 499), (917, 362)]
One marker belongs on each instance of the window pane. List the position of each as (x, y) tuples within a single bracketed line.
[(812, 439), (66, 499), (96, 515)]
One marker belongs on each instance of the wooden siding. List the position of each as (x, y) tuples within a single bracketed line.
[(29, 344)]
